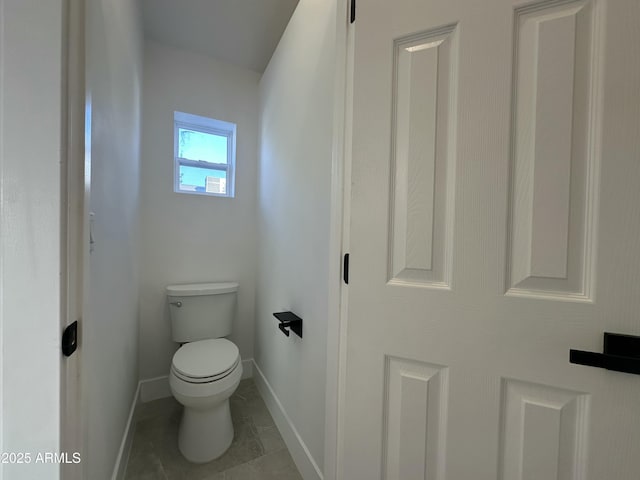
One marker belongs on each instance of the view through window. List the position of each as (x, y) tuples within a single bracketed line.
[(204, 155)]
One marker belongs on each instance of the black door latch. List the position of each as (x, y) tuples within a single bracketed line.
[(70, 339)]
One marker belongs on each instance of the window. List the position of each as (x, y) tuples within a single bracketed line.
[(205, 155)]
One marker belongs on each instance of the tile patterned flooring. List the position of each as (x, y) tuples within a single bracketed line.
[(257, 452)]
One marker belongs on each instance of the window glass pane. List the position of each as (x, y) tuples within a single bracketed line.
[(196, 179), (202, 146)]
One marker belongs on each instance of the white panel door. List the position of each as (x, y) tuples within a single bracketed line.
[(495, 225)]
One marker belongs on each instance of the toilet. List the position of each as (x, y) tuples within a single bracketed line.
[(206, 369)]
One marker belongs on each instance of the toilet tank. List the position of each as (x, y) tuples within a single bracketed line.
[(200, 311)]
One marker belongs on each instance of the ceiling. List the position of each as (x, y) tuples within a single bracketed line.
[(242, 32)]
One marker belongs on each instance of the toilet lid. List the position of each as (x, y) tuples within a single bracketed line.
[(206, 358)]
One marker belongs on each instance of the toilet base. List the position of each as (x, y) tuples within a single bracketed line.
[(205, 434)]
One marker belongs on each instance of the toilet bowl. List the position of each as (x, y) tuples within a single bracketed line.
[(204, 374)]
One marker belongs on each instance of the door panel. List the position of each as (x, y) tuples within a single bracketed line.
[(554, 161), (423, 161), (544, 432), (494, 226), (415, 415)]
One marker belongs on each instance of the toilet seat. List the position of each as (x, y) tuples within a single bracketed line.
[(211, 379), (205, 361)]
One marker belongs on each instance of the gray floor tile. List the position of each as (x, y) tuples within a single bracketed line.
[(144, 463), (273, 466), (271, 439), (257, 451), (164, 406)]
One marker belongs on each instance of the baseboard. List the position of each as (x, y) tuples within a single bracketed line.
[(125, 446), (155, 388), (299, 451)]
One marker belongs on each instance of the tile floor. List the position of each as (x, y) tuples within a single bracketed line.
[(257, 452)]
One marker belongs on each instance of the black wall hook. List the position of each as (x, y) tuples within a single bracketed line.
[(289, 320), (620, 353)]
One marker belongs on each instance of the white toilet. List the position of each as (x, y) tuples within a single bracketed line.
[(206, 369)]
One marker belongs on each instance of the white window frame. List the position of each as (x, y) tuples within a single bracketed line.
[(210, 126)]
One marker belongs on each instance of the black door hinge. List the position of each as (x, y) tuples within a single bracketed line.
[(345, 268), (352, 12), (70, 339)]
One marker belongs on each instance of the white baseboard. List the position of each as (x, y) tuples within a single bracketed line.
[(125, 446), (154, 388), (298, 449)]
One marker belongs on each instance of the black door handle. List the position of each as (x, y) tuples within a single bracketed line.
[(621, 353)]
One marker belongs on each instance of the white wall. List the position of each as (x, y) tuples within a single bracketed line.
[(110, 342), (194, 238), (31, 35), (296, 97)]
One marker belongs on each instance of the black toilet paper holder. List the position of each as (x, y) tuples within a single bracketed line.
[(289, 320)]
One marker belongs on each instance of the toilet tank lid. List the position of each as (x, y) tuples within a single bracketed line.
[(193, 289)]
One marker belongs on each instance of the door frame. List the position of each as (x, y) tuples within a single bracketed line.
[(74, 232), (339, 234)]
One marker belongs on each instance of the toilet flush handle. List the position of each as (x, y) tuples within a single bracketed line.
[(177, 304)]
